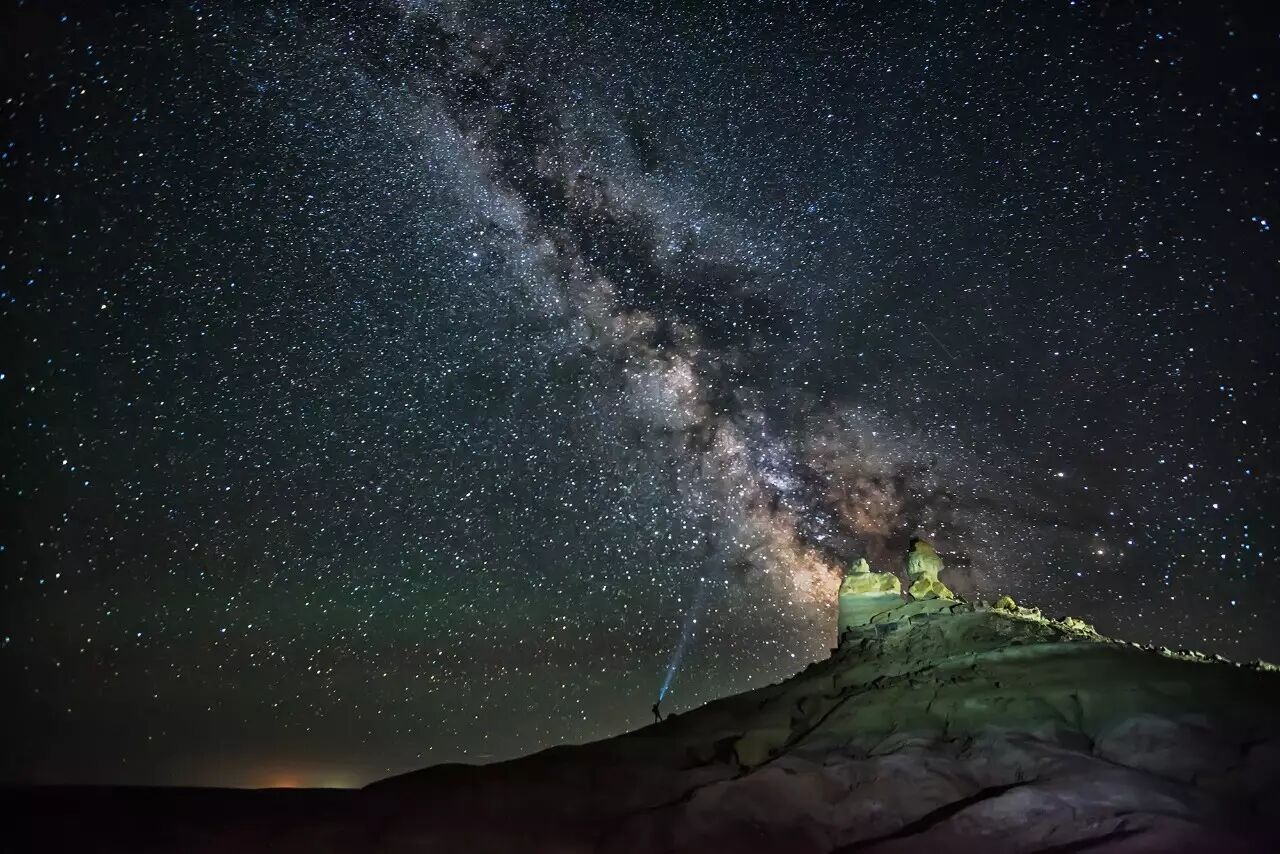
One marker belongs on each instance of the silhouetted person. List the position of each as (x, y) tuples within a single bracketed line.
[(657, 715)]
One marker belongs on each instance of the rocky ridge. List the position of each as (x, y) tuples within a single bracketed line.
[(936, 724)]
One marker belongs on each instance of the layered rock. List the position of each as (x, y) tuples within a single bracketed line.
[(864, 594), (936, 726)]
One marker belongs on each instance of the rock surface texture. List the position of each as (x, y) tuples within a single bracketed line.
[(937, 726)]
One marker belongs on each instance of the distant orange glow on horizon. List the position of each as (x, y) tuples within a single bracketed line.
[(284, 782), (320, 778)]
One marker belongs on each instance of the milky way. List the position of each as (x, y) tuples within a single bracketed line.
[(391, 378), (638, 282)]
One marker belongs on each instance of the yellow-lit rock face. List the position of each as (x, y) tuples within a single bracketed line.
[(923, 561), (930, 588), (864, 593), (862, 580), (923, 565)]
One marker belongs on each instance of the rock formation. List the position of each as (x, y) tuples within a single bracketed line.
[(1005, 603), (864, 593), (935, 726), (923, 566)]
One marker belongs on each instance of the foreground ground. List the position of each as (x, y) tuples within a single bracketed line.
[(940, 727)]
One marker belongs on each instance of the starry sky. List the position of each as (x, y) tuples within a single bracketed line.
[(395, 383)]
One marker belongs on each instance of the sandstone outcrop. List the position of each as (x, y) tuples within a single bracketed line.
[(923, 566), (864, 594)]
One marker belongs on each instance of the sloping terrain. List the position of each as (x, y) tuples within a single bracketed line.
[(939, 726)]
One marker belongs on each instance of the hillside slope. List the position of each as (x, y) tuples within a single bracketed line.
[(939, 726)]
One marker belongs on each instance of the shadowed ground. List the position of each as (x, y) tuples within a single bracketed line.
[(939, 726)]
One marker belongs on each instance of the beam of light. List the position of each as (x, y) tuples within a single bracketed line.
[(690, 620)]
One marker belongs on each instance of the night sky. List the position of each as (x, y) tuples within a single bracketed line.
[(383, 383)]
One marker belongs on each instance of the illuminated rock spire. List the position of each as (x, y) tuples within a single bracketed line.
[(923, 565), (864, 594)]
